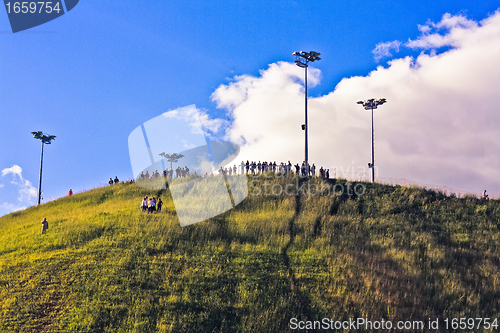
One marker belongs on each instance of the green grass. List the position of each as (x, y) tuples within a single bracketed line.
[(394, 253)]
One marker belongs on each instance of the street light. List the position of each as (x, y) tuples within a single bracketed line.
[(174, 158), (302, 63), (371, 104), (46, 139)]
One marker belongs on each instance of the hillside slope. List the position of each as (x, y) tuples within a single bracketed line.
[(393, 253)]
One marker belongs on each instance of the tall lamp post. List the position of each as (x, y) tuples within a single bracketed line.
[(302, 60), (46, 139), (174, 158), (371, 104)]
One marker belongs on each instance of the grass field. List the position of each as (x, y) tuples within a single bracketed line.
[(392, 253)]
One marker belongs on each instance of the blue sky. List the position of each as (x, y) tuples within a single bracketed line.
[(93, 75)]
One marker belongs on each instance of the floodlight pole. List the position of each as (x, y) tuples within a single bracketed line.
[(46, 139), (40, 178), (307, 57), (172, 158), (373, 149), (306, 154), (371, 104)]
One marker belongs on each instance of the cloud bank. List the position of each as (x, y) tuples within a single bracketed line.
[(439, 125), (26, 193)]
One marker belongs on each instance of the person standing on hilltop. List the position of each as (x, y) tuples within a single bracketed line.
[(110, 181), (116, 180), (70, 192), (484, 196), (45, 226)]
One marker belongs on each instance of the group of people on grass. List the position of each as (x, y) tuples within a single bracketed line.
[(152, 205), (283, 168), (115, 181), (179, 173), (247, 168)]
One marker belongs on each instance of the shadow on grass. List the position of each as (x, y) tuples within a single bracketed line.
[(301, 301)]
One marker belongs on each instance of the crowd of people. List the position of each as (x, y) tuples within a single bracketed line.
[(152, 205), (254, 168), (287, 169), (179, 173)]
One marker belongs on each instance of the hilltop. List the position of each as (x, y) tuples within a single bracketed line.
[(391, 253)]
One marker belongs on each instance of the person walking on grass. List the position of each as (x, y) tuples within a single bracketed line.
[(144, 205), (152, 205), (45, 226), (159, 204)]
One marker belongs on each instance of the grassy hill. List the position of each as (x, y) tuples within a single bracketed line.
[(393, 253)]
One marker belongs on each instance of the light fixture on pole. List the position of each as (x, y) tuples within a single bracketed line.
[(371, 104), (46, 139), (174, 158), (303, 58)]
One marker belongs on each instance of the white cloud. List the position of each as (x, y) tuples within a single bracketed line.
[(451, 31), (455, 21), (7, 208), (440, 125), (199, 121), (384, 49), (15, 170), (26, 191), (458, 29), (424, 28), (1, 185)]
